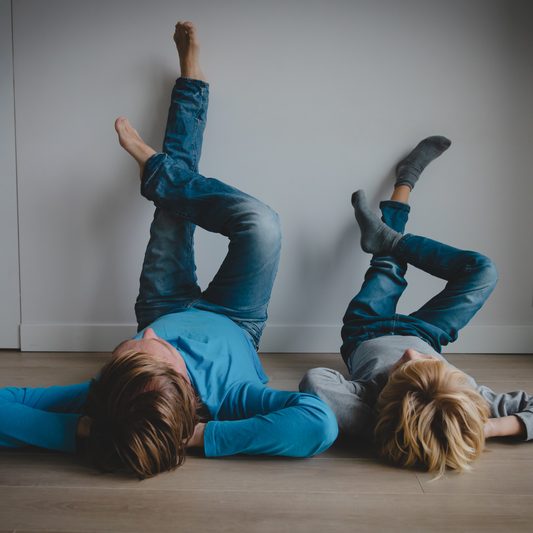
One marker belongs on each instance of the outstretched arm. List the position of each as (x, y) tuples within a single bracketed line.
[(258, 420), (45, 417), (511, 414)]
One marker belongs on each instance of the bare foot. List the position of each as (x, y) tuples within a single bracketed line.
[(131, 141), (188, 47)]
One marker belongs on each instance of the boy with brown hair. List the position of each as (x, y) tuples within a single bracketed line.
[(192, 376)]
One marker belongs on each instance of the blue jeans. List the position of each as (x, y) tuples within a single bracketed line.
[(185, 199), (470, 276)]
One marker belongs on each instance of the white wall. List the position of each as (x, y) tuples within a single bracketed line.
[(310, 100)]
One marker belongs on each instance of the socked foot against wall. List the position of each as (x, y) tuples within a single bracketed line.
[(376, 237), (409, 169)]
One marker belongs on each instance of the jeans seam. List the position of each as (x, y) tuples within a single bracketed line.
[(195, 145)]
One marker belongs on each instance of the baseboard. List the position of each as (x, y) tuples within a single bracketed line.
[(473, 339), (276, 338), (73, 337)]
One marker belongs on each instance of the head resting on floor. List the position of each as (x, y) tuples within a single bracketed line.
[(430, 416), (143, 412)]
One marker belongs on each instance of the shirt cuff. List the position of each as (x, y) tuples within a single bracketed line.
[(527, 421), (210, 448)]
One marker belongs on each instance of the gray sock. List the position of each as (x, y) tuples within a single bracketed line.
[(376, 237), (409, 169)]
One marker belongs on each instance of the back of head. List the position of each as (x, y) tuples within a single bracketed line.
[(430, 416), (143, 412)]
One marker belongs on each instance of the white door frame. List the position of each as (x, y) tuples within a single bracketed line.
[(9, 242)]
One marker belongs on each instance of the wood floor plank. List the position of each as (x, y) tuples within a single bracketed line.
[(509, 385), (283, 366), (488, 476), (264, 474), (45, 377), (51, 359), (495, 367), (44, 369), (129, 510)]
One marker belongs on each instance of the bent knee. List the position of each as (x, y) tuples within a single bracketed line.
[(268, 222), (485, 269), (264, 224)]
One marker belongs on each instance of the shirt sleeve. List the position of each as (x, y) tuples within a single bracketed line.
[(517, 403), (255, 419), (349, 400), (46, 417)]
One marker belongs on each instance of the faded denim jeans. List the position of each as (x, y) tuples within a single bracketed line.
[(185, 199), (470, 276)]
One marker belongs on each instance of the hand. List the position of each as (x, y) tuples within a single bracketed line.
[(197, 439), (83, 431)]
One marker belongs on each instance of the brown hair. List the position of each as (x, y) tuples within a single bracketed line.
[(430, 416), (143, 413)]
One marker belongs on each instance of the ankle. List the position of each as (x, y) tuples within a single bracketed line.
[(141, 161), (401, 194), (191, 72), (145, 153)]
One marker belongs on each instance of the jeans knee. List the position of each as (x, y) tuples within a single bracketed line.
[(265, 225), (485, 269)]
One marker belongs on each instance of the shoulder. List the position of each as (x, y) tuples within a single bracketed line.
[(321, 379), (315, 377)]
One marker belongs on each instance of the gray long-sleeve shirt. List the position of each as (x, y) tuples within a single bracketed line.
[(353, 401)]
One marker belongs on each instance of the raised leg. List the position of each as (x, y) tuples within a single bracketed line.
[(373, 309), (186, 122), (168, 280), (187, 114), (378, 238), (384, 281), (471, 279), (241, 288)]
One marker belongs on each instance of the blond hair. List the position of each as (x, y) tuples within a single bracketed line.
[(430, 416), (143, 413)]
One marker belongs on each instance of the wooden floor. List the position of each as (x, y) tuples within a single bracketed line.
[(341, 490)]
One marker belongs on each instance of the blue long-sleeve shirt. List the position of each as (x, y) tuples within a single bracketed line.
[(247, 416)]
